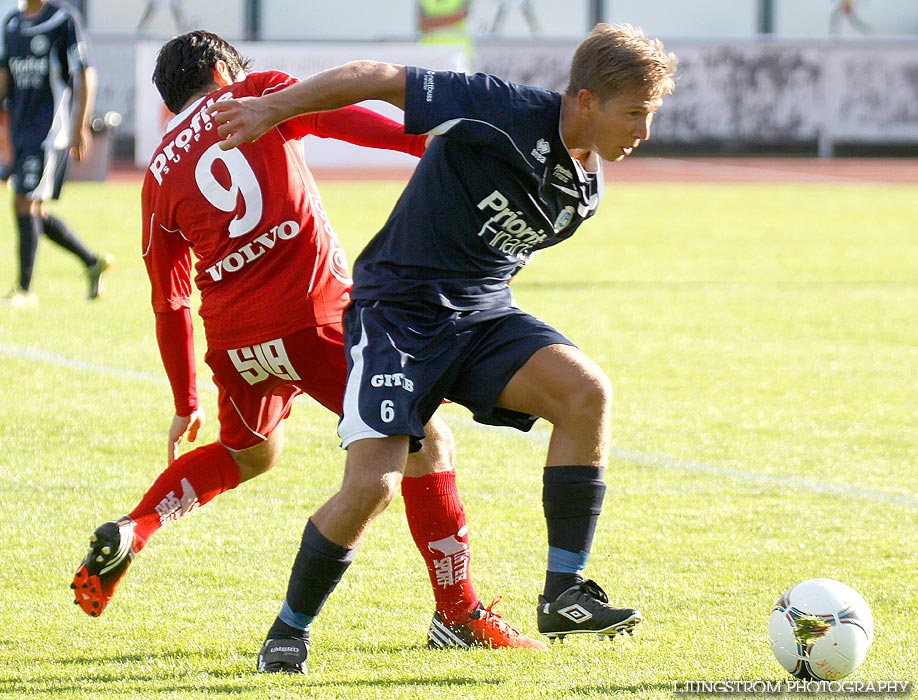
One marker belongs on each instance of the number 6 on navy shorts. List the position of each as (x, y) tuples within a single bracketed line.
[(404, 360)]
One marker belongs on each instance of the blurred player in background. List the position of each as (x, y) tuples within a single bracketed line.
[(524, 6), (514, 169), (274, 282), (175, 10), (43, 61), (846, 11)]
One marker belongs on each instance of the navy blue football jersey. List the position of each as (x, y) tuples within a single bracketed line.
[(497, 186), (41, 52)]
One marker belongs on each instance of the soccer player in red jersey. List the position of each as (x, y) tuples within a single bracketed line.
[(274, 282)]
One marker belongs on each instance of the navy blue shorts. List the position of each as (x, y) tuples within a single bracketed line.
[(403, 360), (38, 173)]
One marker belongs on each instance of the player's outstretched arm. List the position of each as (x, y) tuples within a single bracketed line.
[(364, 127), (244, 120)]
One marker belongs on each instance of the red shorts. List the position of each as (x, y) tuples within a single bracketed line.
[(257, 384)]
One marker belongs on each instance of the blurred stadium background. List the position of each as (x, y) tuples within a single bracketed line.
[(774, 77)]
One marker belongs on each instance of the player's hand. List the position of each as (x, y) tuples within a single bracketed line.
[(81, 143), (239, 121), (182, 427)]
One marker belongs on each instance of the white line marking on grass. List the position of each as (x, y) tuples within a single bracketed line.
[(847, 490), (39, 355), (542, 435), (784, 481)]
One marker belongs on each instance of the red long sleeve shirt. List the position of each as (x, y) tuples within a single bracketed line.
[(250, 225)]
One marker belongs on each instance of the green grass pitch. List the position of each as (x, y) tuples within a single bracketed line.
[(763, 345)]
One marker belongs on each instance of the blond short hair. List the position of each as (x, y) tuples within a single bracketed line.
[(614, 58)]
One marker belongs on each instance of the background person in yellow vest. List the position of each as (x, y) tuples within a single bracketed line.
[(445, 22)]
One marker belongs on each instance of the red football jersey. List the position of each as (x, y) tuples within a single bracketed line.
[(268, 261)]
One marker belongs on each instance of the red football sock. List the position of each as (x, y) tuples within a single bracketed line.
[(436, 519), (190, 481)]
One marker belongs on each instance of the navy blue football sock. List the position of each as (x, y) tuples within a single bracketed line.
[(317, 569), (29, 231), (60, 233), (572, 501)]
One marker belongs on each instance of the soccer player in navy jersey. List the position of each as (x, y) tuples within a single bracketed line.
[(274, 282), (517, 169), (43, 62)]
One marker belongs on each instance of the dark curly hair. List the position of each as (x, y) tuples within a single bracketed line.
[(185, 64)]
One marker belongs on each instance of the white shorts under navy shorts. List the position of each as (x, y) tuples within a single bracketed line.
[(38, 173), (403, 360)]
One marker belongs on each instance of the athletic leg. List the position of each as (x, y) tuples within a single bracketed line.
[(372, 473), (565, 387), (29, 226), (27, 175), (436, 519), (570, 391), (191, 481), (60, 233), (196, 478), (57, 231), (250, 421)]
